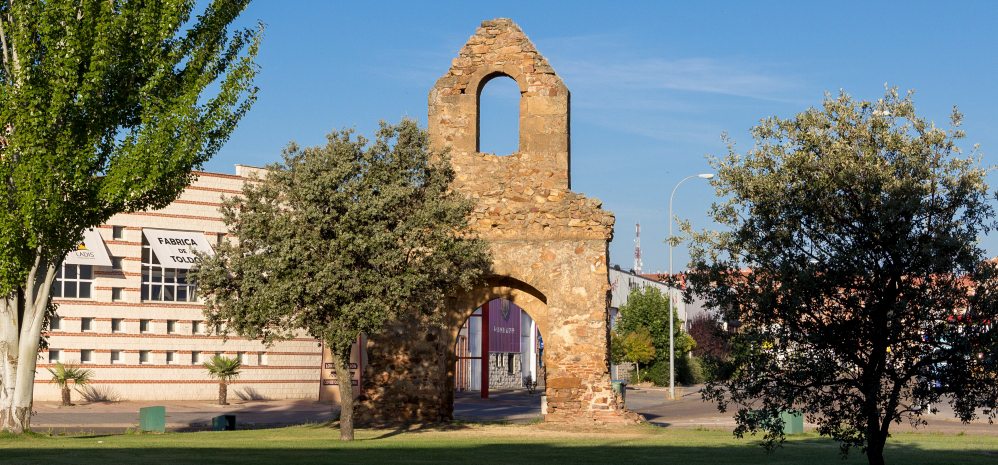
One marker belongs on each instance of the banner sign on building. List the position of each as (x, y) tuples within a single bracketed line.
[(91, 251), (504, 326), (177, 249)]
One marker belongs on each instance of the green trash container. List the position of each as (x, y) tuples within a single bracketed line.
[(223, 423), (152, 419), (793, 422), (620, 389)]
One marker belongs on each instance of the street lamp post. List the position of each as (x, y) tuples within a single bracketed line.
[(672, 342)]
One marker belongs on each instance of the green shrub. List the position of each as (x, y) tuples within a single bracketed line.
[(716, 369), (688, 371), (657, 373)]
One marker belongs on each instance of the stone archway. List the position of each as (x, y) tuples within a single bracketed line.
[(549, 244), (495, 352)]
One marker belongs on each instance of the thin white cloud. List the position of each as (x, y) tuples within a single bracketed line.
[(666, 127), (702, 75)]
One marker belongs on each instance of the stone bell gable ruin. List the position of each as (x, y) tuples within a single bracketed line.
[(500, 48), (549, 245)]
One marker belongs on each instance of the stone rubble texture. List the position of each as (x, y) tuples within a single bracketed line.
[(549, 246)]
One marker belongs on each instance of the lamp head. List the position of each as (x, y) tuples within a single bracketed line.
[(706, 175)]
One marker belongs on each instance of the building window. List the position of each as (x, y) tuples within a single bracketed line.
[(73, 281), (171, 326), (197, 327), (196, 357), (143, 356), (115, 356), (143, 326), (243, 358), (55, 355), (116, 294), (164, 284), (86, 324), (116, 263), (87, 356), (261, 358), (115, 325), (117, 232), (55, 323), (170, 358)]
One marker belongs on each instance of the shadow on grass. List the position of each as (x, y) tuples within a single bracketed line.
[(466, 449)]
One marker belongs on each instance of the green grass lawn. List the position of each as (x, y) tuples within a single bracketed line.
[(478, 445)]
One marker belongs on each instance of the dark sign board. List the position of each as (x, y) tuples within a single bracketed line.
[(329, 366), (504, 326), (333, 382)]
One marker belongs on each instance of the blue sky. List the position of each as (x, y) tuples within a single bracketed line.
[(654, 84)]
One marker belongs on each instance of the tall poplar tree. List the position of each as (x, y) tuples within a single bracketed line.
[(851, 261), (105, 107), (342, 240)]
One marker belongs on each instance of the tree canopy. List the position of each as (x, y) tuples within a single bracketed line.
[(851, 261), (105, 107), (341, 240), (648, 309)]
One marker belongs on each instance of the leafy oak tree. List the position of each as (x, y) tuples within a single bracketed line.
[(105, 107), (851, 261), (341, 240)]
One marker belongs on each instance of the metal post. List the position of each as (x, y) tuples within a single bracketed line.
[(485, 350), (533, 350), (672, 343)]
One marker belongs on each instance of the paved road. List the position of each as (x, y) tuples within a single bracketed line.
[(687, 411), (509, 406)]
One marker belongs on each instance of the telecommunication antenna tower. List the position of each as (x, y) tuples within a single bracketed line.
[(637, 248)]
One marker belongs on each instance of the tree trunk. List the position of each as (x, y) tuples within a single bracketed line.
[(875, 447), (22, 316), (66, 400), (9, 420), (223, 393), (341, 366), (875, 437)]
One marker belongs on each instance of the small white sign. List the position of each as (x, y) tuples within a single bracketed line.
[(91, 251), (177, 249)]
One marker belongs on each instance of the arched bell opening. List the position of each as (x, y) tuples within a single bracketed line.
[(499, 110)]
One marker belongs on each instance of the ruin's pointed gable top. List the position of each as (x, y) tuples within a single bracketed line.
[(501, 45)]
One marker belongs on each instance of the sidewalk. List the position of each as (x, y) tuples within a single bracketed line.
[(180, 415), (116, 417)]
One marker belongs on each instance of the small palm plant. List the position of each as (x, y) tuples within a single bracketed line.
[(63, 374), (225, 369)]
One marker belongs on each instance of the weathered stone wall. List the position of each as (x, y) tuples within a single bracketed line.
[(549, 245), (504, 371)]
